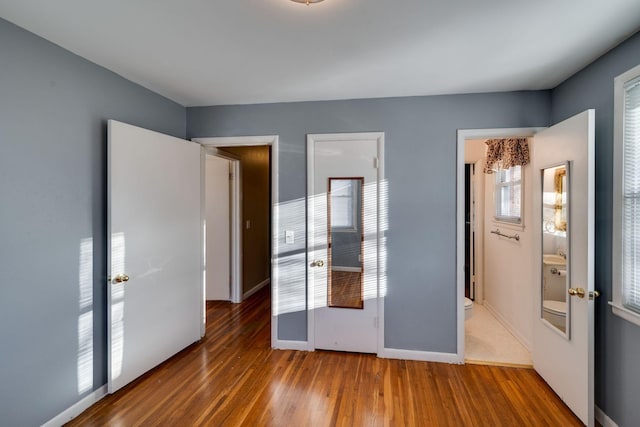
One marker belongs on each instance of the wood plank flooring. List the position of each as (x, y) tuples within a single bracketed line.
[(234, 378)]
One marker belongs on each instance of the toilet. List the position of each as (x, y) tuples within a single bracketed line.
[(555, 312), (468, 308)]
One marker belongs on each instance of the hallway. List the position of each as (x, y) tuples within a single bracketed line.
[(234, 378)]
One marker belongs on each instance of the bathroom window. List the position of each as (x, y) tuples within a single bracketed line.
[(626, 202), (508, 195)]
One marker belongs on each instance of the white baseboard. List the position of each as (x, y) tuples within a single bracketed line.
[(256, 288), (603, 419), (290, 345), (525, 342), (426, 356), (76, 409)]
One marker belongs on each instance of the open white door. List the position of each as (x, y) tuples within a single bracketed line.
[(154, 247), (343, 187), (563, 350), (218, 227)]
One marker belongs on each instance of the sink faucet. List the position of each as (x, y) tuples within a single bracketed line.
[(562, 254)]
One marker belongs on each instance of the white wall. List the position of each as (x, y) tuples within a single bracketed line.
[(508, 264), (217, 223)]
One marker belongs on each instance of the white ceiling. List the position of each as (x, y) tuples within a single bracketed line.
[(214, 52)]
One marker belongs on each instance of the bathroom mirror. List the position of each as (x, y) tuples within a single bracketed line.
[(345, 243), (555, 309)]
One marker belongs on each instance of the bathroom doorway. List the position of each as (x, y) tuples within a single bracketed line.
[(498, 311)]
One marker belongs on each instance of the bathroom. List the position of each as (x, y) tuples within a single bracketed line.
[(500, 325)]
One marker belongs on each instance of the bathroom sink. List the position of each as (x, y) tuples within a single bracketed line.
[(553, 259)]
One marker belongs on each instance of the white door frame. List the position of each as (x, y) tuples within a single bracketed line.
[(463, 135), (235, 225), (236, 236), (381, 227)]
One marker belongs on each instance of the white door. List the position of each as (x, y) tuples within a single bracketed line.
[(343, 188), (217, 226), (564, 355), (154, 248)]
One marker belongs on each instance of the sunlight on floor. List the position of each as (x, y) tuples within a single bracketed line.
[(486, 340)]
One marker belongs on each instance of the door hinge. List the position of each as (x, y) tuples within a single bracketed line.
[(375, 163), (230, 176)]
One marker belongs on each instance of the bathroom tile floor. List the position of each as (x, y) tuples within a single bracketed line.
[(488, 342)]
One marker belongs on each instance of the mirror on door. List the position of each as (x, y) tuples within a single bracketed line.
[(555, 248), (345, 243)]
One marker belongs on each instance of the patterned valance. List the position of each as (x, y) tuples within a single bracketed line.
[(505, 153)]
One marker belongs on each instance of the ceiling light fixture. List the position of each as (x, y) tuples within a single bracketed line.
[(307, 2)]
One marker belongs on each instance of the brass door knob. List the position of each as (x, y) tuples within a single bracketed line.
[(121, 278), (593, 294), (317, 263), (577, 292)]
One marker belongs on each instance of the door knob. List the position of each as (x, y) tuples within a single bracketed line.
[(577, 292), (317, 263), (593, 294), (121, 278)]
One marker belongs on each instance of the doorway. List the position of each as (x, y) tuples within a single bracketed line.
[(254, 216), (499, 310), (488, 335), (258, 213)]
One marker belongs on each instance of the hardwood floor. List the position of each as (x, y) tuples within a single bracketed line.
[(234, 378)]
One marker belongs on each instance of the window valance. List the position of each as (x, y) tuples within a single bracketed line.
[(505, 153)]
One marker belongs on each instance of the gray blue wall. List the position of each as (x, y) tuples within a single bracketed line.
[(617, 341), (53, 111), (420, 167)]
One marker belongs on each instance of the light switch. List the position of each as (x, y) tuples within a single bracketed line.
[(288, 237)]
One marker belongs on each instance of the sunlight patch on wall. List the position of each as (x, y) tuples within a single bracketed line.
[(289, 274)]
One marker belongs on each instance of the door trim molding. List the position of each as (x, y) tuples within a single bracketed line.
[(247, 141), (381, 228), (462, 135)]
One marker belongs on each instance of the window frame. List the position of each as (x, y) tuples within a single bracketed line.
[(517, 222), (617, 285)]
